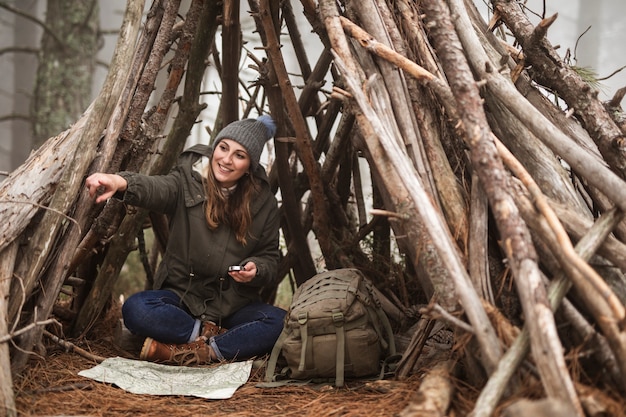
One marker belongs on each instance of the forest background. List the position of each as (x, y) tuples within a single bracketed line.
[(327, 197), (594, 32)]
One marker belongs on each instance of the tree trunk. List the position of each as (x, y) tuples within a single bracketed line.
[(25, 69), (67, 62)]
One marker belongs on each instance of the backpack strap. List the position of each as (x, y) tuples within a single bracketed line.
[(303, 318), (391, 348), (340, 355), (387, 326), (271, 363), (389, 365)]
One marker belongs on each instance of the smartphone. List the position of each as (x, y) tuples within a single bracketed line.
[(236, 268)]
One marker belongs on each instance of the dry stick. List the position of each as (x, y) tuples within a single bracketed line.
[(414, 350), (422, 74), (368, 42), (478, 240), (72, 347), (498, 381), (387, 213), (302, 263), (433, 222), (437, 280), (35, 180), (566, 244), (516, 241), (409, 66), (122, 241), (559, 287), (27, 328), (434, 394), (133, 99), (63, 388), (40, 206), (304, 150), (436, 311), (612, 248), (484, 331), (376, 16), (566, 82), (602, 350), (148, 56), (7, 263), (594, 170), (606, 353)]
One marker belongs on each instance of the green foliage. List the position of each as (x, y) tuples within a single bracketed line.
[(589, 76)]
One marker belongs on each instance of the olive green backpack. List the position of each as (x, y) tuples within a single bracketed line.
[(335, 329)]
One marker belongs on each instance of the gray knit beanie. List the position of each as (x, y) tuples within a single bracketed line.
[(251, 134)]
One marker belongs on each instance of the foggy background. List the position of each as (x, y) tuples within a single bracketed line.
[(601, 49)]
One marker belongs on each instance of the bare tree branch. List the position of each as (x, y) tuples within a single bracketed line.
[(32, 18)]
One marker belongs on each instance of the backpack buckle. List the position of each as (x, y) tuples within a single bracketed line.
[(303, 317), (338, 318)]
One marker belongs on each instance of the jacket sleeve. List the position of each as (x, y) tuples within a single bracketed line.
[(157, 193), (267, 256)]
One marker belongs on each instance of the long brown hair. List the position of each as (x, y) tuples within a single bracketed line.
[(232, 210)]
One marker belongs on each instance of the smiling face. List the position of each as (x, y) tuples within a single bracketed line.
[(230, 162)]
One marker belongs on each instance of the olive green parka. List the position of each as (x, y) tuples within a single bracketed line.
[(196, 259)]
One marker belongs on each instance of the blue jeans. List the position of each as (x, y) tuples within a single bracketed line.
[(252, 330)]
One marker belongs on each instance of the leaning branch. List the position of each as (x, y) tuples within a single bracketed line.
[(477, 316), (515, 235), (567, 249), (499, 380)]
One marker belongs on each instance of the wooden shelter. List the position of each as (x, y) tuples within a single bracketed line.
[(492, 199)]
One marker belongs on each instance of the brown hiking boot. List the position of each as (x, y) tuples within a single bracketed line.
[(210, 329), (194, 353)]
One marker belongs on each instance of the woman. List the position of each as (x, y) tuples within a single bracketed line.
[(221, 213)]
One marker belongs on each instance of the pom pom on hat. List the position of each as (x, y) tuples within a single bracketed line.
[(269, 124), (251, 134)]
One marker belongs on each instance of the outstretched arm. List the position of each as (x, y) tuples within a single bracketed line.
[(104, 186)]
